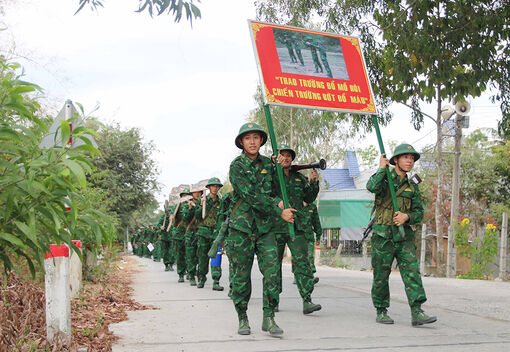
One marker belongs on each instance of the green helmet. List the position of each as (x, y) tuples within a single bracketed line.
[(284, 146), (404, 149), (250, 127), (185, 191), (214, 181), (309, 38)]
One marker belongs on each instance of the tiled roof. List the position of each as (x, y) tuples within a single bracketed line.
[(352, 163), (335, 179)]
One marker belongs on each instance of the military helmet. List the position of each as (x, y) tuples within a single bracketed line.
[(250, 127), (185, 191), (214, 181), (283, 146), (404, 149), (309, 38)]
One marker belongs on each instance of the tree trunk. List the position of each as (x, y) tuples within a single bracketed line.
[(439, 195)]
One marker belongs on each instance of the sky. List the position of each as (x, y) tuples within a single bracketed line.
[(188, 89)]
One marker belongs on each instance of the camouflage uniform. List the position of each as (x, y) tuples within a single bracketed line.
[(297, 45), (313, 51), (298, 190), (178, 230), (387, 243), (250, 231), (324, 57), (166, 242), (191, 239), (206, 236), (316, 228), (288, 42)]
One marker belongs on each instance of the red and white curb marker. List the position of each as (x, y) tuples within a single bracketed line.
[(75, 270), (58, 293)]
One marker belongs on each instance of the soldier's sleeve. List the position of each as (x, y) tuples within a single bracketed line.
[(316, 223), (416, 212), (376, 183), (311, 190), (197, 211), (187, 214), (249, 192)]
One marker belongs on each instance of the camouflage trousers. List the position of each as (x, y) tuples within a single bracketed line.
[(180, 255), (241, 248), (191, 253), (311, 252), (300, 263), (203, 246), (384, 250), (156, 253), (167, 252)]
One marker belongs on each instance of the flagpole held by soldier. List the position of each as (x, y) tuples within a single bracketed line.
[(387, 240)]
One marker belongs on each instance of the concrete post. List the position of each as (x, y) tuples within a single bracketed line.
[(423, 248), (450, 256), (75, 271), (503, 247), (58, 293)]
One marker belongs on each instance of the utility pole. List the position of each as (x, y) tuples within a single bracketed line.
[(454, 214)]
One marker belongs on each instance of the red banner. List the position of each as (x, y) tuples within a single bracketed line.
[(310, 69)]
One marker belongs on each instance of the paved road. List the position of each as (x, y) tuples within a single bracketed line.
[(472, 316)]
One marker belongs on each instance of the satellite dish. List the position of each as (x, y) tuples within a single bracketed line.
[(462, 108), (447, 112)]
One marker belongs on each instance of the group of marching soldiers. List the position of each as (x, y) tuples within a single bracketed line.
[(252, 221)]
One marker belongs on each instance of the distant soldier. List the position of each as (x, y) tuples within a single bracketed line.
[(296, 42), (324, 57), (156, 253), (288, 43), (178, 230), (299, 191), (206, 227), (387, 242), (166, 239), (192, 236), (313, 51), (254, 209)]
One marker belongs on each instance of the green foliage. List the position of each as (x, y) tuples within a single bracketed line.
[(126, 174), (481, 252), (419, 50), (157, 7), (37, 185)]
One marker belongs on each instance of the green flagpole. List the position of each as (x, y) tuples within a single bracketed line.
[(390, 183), (279, 170)]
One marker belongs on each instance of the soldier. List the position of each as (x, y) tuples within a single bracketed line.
[(156, 253), (254, 210), (324, 57), (299, 191), (206, 233), (178, 230), (313, 51), (297, 46), (166, 239), (288, 43), (315, 222), (387, 243), (192, 236)]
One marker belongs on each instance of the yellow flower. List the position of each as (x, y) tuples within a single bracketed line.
[(465, 221), (490, 227)]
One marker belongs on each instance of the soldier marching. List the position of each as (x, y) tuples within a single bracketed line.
[(252, 220)]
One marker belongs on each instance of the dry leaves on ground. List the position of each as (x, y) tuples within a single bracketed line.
[(101, 303)]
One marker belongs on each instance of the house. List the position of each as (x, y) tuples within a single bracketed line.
[(344, 203)]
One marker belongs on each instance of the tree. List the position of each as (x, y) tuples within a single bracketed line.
[(421, 50), (126, 172), (157, 7), (42, 191)]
